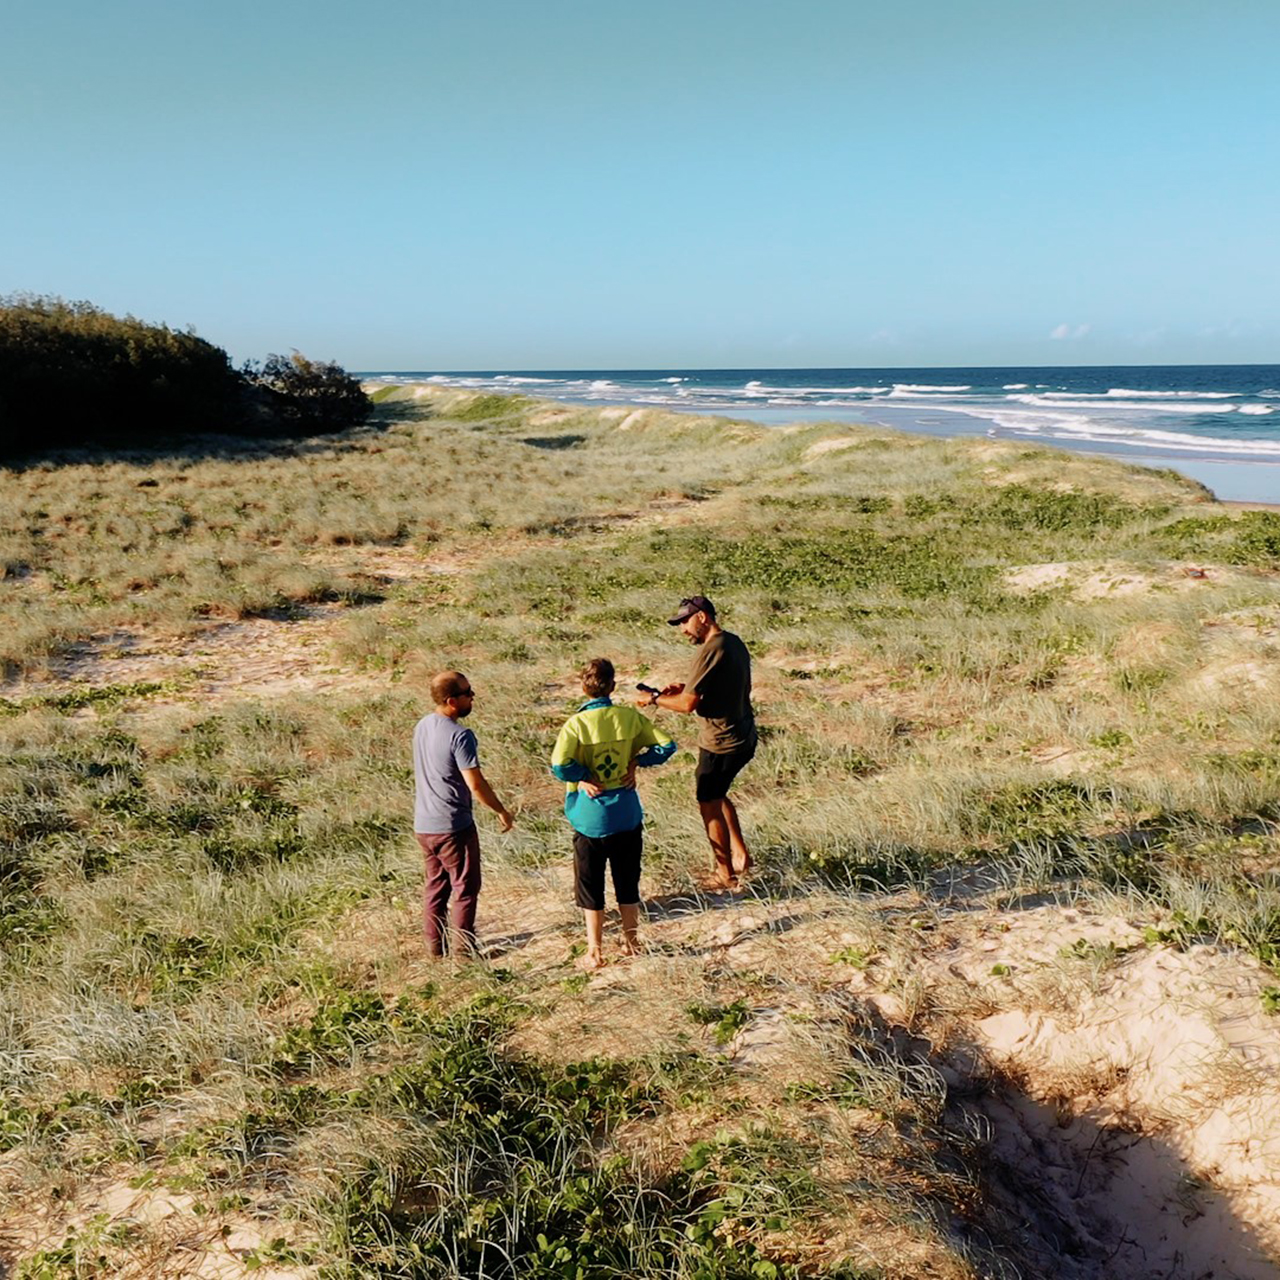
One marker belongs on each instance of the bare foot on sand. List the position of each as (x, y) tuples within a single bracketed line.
[(719, 881), (591, 961), (630, 948)]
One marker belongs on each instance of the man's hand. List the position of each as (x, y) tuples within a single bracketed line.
[(479, 787), (651, 699)]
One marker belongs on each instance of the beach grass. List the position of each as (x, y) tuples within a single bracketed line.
[(972, 659)]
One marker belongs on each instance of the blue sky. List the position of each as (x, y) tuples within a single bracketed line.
[(730, 183)]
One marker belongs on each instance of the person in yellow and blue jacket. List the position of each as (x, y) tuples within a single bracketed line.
[(596, 755)]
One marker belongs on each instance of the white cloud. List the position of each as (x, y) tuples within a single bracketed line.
[(1069, 333)]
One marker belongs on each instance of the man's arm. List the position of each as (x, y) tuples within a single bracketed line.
[(672, 698), (479, 787), (685, 702)]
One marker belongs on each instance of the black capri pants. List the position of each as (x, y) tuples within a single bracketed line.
[(622, 852)]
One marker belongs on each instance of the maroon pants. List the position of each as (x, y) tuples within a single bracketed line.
[(452, 868)]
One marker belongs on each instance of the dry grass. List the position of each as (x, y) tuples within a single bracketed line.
[(203, 874)]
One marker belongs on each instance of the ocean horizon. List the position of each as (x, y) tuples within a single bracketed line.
[(1219, 424)]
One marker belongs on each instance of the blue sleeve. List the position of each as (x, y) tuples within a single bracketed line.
[(571, 771), (656, 754), (466, 752)]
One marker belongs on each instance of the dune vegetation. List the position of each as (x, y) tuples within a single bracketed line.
[(71, 373), (999, 687)]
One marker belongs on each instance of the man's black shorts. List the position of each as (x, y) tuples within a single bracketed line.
[(622, 852), (717, 769)]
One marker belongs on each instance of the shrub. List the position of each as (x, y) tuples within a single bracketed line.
[(70, 372), (307, 395), (1250, 539), (1023, 508)]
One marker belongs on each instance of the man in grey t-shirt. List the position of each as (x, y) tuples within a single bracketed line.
[(447, 777)]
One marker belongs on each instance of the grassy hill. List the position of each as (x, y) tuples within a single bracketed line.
[(1020, 765)]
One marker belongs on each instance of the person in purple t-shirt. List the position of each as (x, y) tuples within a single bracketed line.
[(446, 771)]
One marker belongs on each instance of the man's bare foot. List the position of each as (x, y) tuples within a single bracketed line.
[(630, 948), (719, 880), (743, 868), (591, 961)]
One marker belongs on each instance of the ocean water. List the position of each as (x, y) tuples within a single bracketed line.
[(1218, 423)]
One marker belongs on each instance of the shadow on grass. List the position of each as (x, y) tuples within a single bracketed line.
[(553, 442), (186, 449)]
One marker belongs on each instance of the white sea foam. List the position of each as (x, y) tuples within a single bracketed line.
[(762, 388), (1066, 400), (1065, 395), (1257, 410), (1014, 386), (924, 386), (1078, 427), (675, 379), (1118, 393), (1122, 393)]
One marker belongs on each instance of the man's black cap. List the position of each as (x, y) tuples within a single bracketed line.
[(689, 606)]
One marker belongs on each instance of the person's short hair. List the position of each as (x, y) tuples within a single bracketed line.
[(598, 678), (446, 685)]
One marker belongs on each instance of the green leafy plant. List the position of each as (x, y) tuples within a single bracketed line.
[(725, 1020)]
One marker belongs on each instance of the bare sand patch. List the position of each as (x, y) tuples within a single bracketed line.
[(1064, 760), (1147, 1090), (1241, 676), (832, 444), (546, 417), (153, 1233), (1112, 581), (257, 657), (1257, 627)]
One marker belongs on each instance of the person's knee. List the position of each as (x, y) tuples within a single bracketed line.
[(711, 809)]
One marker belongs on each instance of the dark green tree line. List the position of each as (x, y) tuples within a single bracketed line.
[(71, 373)]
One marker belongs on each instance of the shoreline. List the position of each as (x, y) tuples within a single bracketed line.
[(1233, 481), (1239, 469)]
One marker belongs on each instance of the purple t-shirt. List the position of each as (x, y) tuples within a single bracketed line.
[(442, 748)]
